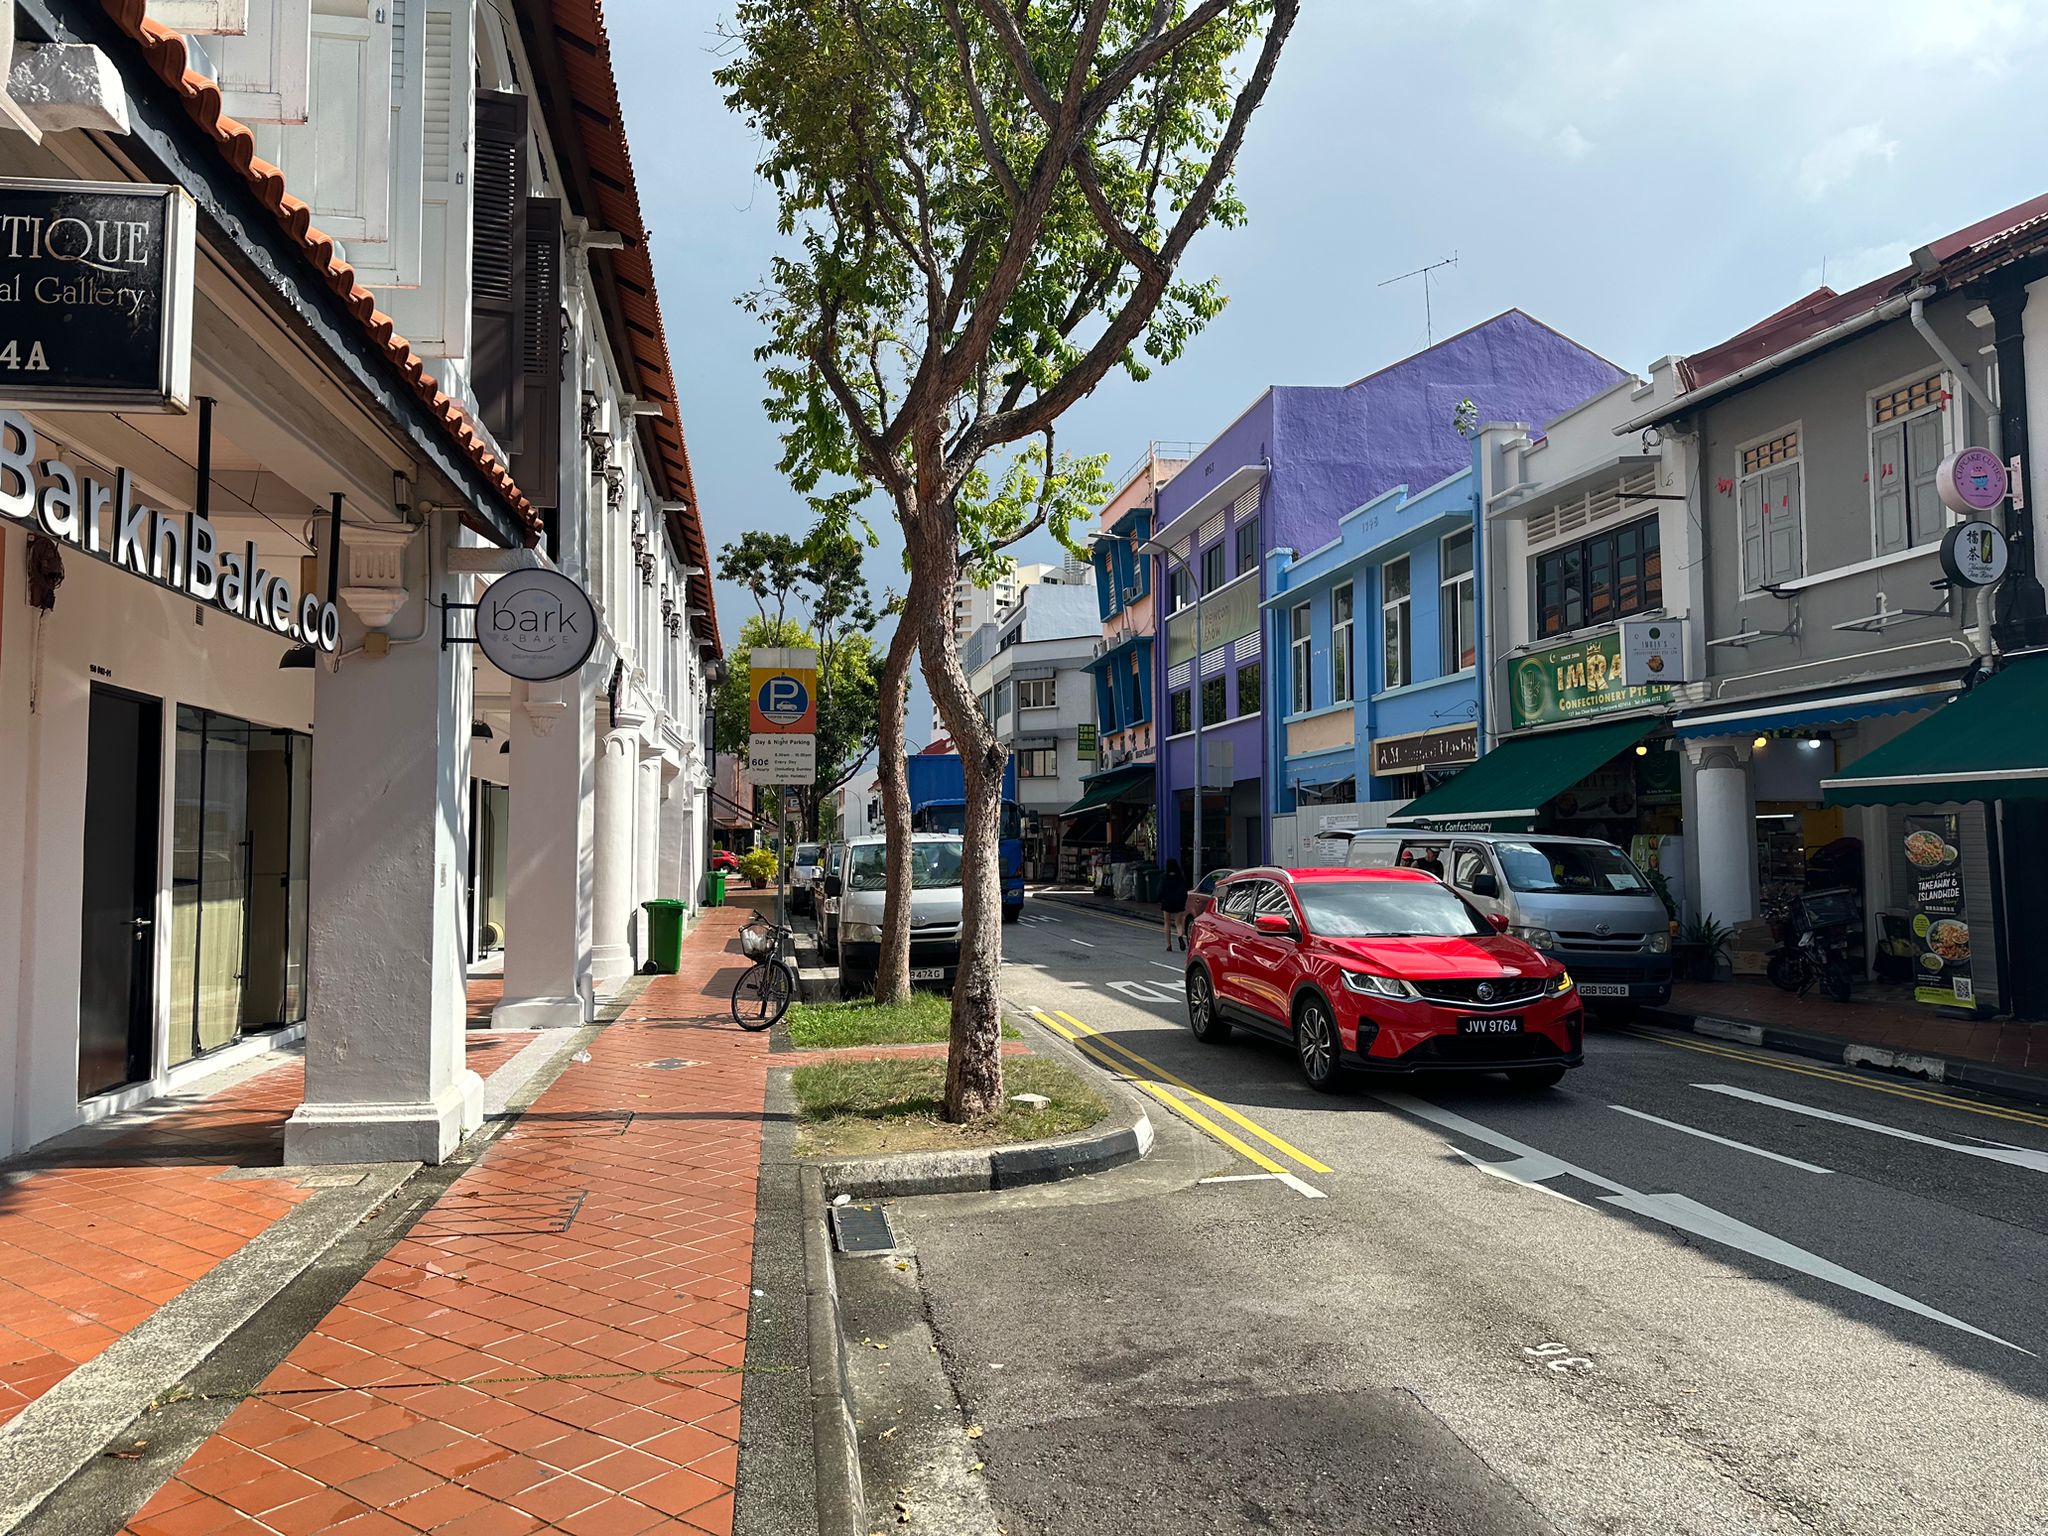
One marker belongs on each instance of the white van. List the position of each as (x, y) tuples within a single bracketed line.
[(1576, 898), (860, 886)]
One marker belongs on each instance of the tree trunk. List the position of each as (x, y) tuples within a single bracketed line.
[(892, 970), (974, 1058)]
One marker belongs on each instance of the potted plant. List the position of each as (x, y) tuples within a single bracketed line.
[(760, 866), (1702, 948)]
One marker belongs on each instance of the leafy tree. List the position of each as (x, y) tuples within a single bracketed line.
[(768, 566), (986, 203)]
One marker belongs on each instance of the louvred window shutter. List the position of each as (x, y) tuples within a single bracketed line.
[(536, 464), (497, 295)]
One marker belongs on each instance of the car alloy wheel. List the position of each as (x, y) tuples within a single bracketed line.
[(1203, 1018), (1315, 1042)]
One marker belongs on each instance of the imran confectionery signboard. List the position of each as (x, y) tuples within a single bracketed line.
[(1575, 682), (95, 295)]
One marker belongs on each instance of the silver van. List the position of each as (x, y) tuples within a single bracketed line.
[(1577, 898), (860, 887)]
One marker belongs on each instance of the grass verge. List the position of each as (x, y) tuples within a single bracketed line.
[(864, 1108), (924, 1019)]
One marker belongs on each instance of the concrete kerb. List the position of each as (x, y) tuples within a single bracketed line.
[(2031, 1087), (1124, 1137), (842, 1502)]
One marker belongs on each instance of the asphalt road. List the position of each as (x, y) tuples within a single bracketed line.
[(1694, 1288)]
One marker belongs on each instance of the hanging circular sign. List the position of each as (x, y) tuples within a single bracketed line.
[(1970, 481), (536, 625), (1974, 554)]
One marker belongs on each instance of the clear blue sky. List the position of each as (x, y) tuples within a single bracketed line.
[(1646, 178)]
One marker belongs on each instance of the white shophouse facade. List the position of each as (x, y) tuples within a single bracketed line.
[(221, 855)]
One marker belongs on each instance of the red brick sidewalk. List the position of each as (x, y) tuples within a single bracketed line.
[(1880, 1016), (557, 1344), (93, 1240)]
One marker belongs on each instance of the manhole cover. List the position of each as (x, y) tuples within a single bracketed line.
[(862, 1231), (668, 1064)]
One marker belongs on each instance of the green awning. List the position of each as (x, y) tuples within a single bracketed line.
[(1118, 784), (1990, 744), (1512, 782)]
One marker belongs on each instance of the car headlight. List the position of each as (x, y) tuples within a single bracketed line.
[(1378, 986), (1660, 943), (1542, 938), (1560, 984), (860, 933)]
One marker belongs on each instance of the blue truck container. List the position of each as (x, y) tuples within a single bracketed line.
[(938, 803)]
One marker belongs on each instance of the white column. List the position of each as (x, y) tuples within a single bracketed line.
[(385, 1076), (673, 857), (548, 893), (1726, 830), (646, 845), (618, 758)]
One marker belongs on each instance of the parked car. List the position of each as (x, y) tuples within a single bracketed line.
[(861, 888), (803, 870), (1204, 892), (826, 907), (1384, 970), (1579, 900), (725, 859)]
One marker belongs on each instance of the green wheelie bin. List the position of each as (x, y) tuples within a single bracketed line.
[(665, 934)]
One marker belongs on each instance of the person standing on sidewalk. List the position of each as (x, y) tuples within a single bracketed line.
[(1173, 904)]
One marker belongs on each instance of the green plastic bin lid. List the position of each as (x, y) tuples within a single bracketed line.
[(665, 904)]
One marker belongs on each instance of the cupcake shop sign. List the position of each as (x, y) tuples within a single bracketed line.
[(178, 550)]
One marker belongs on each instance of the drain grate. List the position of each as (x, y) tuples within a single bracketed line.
[(862, 1231), (668, 1064), (506, 1215), (555, 1125)]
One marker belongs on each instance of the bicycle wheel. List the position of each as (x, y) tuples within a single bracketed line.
[(762, 995)]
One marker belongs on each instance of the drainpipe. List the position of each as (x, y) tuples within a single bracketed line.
[(2022, 607), (1994, 427)]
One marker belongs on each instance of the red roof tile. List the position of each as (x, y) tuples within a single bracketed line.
[(586, 58), (1953, 256), (164, 50)]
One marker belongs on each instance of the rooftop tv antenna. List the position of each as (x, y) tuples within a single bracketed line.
[(1428, 319)]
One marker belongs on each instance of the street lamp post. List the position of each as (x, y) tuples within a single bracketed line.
[(1154, 547)]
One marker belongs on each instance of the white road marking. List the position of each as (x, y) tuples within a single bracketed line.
[(1173, 968), (1531, 1166), (1740, 1146), (1082, 942), (1300, 1186), (2017, 1157), (1142, 991)]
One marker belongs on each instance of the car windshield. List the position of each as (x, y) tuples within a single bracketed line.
[(932, 865), (1579, 868), (1380, 909), (807, 853)]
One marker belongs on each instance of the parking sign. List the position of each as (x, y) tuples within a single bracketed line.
[(783, 690)]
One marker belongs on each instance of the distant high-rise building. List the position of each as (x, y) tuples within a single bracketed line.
[(974, 606)]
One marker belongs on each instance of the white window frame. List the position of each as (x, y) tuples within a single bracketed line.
[(1402, 607), (1343, 647), (1450, 600), (1037, 685), (1300, 647), (1945, 383), (1798, 463)]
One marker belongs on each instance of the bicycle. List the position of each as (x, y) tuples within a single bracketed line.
[(761, 995)]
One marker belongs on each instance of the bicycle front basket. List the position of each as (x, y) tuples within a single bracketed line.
[(757, 943)]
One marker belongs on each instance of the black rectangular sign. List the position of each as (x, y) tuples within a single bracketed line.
[(95, 295)]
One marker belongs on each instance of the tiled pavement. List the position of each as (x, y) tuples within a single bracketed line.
[(95, 1239), (556, 1345), (1881, 1016)]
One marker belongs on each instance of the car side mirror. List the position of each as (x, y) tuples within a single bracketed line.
[(1273, 922), (1485, 885), (1499, 921), (832, 886)]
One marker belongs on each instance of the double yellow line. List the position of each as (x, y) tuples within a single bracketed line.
[(1154, 1078), (1852, 1079)]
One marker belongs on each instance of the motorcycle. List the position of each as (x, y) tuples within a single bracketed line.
[(1813, 944)]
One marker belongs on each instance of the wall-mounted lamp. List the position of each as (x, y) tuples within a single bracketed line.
[(1761, 742), (1641, 750), (478, 731)]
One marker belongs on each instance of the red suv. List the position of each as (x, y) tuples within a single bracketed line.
[(1383, 969)]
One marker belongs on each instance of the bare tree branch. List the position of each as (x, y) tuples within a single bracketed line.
[(1009, 32), (982, 130), (1149, 50)]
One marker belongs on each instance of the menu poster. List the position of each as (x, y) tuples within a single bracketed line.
[(1941, 929)]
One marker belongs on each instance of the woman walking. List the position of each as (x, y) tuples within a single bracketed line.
[(1173, 904)]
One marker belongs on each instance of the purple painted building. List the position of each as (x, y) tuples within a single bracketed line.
[(1279, 477)]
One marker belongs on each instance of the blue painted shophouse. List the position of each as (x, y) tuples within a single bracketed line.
[(1376, 637)]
